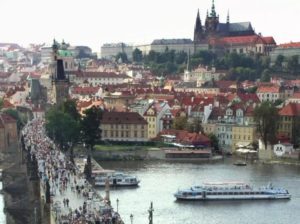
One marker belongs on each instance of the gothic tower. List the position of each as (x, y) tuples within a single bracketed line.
[(60, 83), (212, 21), (198, 31)]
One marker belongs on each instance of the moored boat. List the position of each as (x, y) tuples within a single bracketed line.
[(240, 163), (117, 180), (231, 191)]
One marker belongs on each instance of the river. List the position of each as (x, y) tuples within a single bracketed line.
[(2, 215), (159, 180)]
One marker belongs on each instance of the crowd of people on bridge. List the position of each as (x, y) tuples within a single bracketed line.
[(73, 199)]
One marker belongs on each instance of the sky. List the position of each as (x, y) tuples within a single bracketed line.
[(95, 22)]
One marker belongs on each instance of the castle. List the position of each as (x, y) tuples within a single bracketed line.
[(229, 37)]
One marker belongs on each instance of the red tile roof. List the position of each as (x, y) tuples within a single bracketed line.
[(291, 109), (246, 97), (184, 137), (7, 119), (122, 118), (100, 75), (289, 45), (268, 89), (7, 104), (85, 90), (269, 40), (242, 40)]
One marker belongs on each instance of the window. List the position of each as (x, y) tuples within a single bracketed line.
[(117, 133), (127, 134), (142, 134), (111, 126), (105, 133), (112, 134), (135, 134)]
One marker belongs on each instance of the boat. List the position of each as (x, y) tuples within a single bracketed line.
[(117, 180), (231, 191), (240, 163)]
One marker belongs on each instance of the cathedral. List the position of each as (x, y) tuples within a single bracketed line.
[(213, 27), (230, 37)]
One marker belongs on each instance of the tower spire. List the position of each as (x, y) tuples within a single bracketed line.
[(228, 18), (198, 26), (213, 9)]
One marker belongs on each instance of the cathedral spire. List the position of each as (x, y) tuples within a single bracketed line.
[(198, 25), (228, 18), (213, 9)]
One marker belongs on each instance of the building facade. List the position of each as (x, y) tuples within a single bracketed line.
[(160, 45), (110, 51), (124, 126)]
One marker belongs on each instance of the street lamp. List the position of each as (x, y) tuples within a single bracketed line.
[(131, 218), (117, 205)]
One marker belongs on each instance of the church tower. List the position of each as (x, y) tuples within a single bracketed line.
[(212, 21), (60, 83), (198, 31)]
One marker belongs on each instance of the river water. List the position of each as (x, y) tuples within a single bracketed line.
[(159, 180), (2, 215)]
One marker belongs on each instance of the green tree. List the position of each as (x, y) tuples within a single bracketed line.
[(296, 132), (70, 107), (62, 128), (279, 61), (266, 118), (180, 123), (214, 141), (137, 55), (194, 126), (293, 64), (122, 56), (265, 76), (1, 103), (90, 125)]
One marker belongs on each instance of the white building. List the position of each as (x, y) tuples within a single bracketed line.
[(99, 78), (269, 93), (202, 75), (109, 51), (160, 45)]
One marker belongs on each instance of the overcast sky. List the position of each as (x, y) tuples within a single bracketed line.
[(94, 22)]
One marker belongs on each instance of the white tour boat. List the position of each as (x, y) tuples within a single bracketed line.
[(231, 191), (117, 180)]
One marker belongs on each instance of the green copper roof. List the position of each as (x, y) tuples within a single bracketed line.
[(65, 53)]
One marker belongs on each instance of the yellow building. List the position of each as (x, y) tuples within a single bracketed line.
[(243, 136), (151, 117), (209, 128), (124, 126)]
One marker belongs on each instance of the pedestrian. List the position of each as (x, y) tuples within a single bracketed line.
[(67, 202), (64, 202)]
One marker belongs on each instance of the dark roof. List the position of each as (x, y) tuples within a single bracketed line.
[(171, 41), (243, 27), (238, 27), (122, 118)]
